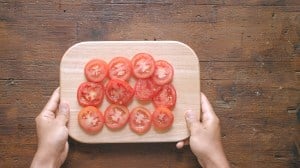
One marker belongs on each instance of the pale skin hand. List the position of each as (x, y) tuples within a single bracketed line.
[(205, 139), (52, 133)]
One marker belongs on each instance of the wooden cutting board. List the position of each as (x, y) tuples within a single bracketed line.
[(186, 82)]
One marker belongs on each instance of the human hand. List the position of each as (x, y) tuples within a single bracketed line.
[(52, 133), (205, 137)]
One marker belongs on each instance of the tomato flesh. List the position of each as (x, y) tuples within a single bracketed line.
[(90, 94), (152, 83), (140, 120), (146, 89), (166, 97), (162, 118), (90, 120), (119, 68), (143, 65), (116, 116), (119, 92), (95, 70), (163, 73)]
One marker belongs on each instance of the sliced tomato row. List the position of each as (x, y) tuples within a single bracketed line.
[(119, 68), (142, 66), (146, 89), (120, 92), (116, 91), (115, 117), (140, 119)]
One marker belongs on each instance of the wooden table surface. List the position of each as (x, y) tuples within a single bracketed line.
[(249, 55)]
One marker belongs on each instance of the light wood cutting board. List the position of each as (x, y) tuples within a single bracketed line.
[(186, 82)]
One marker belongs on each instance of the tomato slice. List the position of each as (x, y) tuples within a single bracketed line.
[(140, 120), (95, 70), (116, 116), (146, 89), (166, 97), (119, 92), (90, 119), (119, 68), (90, 94), (163, 73), (143, 65), (162, 118)]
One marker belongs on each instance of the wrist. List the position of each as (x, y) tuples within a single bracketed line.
[(214, 163), (214, 160), (41, 159)]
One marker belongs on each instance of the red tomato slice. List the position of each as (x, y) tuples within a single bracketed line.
[(140, 120), (90, 119), (95, 70), (119, 68), (116, 116), (90, 94), (162, 118), (143, 65), (119, 92), (166, 97), (146, 89), (163, 73)]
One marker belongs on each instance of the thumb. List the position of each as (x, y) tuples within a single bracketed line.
[(207, 113), (63, 113), (192, 121)]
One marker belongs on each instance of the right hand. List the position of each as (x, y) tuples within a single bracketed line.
[(205, 139)]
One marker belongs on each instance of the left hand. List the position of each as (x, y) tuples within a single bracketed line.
[(52, 133)]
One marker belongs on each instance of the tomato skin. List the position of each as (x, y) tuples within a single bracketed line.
[(166, 97), (90, 120), (146, 89), (90, 94), (143, 65), (95, 70), (140, 120), (116, 116), (119, 92), (163, 73), (162, 118), (119, 68)]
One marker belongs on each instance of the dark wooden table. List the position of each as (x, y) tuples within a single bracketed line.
[(249, 55)]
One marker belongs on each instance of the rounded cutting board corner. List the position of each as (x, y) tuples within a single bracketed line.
[(186, 82)]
